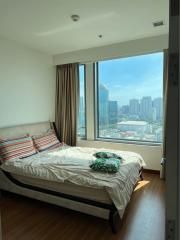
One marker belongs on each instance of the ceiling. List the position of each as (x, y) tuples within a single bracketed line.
[(46, 24)]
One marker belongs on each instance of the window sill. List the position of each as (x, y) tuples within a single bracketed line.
[(135, 142)]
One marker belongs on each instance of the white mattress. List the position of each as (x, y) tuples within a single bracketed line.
[(64, 168), (68, 188)]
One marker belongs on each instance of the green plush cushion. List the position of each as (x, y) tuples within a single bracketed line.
[(106, 155), (109, 165)]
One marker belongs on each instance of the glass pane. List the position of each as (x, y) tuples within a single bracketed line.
[(82, 107), (130, 98)]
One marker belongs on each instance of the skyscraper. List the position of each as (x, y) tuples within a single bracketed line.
[(134, 107), (113, 112), (125, 109), (158, 105), (81, 103), (81, 125), (103, 105), (81, 111), (146, 110)]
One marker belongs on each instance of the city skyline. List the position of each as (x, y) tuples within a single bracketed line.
[(132, 77), (145, 108), (140, 119)]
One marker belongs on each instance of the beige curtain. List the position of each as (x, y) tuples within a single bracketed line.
[(165, 94), (67, 102)]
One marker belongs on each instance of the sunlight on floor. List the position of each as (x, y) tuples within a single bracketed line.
[(141, 184)]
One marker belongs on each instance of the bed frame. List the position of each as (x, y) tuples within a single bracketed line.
[(113, 217)]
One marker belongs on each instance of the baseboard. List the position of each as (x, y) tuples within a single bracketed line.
[(151, 171)]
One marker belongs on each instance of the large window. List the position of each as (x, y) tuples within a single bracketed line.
[(82, 104), (130, 98)]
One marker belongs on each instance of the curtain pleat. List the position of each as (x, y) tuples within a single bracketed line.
[(67, 99)]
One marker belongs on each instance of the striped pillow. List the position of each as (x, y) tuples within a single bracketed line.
[(46, 142), (16, 147)]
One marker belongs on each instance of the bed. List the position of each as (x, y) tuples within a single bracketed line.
[(63, 177)]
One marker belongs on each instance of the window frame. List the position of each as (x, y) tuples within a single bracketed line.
[(85, 102), (96, 105)]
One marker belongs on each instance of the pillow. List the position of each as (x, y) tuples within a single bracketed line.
[(46, 133), (16, 147), (109, 165), (46, 142), (106, 155)]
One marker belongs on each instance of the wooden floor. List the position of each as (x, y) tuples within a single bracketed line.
[(26, 219)]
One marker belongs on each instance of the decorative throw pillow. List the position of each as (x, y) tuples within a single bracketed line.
[(16, 147), (106, 155), (46, 142), (109, 165)]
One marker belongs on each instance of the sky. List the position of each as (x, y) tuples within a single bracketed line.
[(132, 77), (81, 80)]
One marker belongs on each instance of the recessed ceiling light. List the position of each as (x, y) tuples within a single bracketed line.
[(75, 17), (158, 23)]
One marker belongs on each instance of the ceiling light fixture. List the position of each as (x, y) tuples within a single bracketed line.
[(158, 23), (75, 17)]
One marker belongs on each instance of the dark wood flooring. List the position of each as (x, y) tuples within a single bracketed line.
[(26, 219)]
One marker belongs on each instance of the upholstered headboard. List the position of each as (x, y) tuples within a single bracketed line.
[(32, 129)]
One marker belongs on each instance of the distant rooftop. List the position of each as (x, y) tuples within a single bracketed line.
[(139, 123)]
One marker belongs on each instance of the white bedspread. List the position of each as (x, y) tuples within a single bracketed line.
[(72, 164)]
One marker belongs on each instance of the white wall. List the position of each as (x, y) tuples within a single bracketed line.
[(134, 47), (27, 85)]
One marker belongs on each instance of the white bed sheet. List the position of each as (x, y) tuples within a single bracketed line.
[(68, 188)]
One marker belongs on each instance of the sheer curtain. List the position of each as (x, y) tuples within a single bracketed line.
[(67, 102)]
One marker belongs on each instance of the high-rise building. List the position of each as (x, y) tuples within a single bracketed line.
[(125, 109), (159, 135), (146, 109), (134, 106), (154, 116), (103, 105), (81, 103), (113, 112), (81, 113), (158, 105)]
